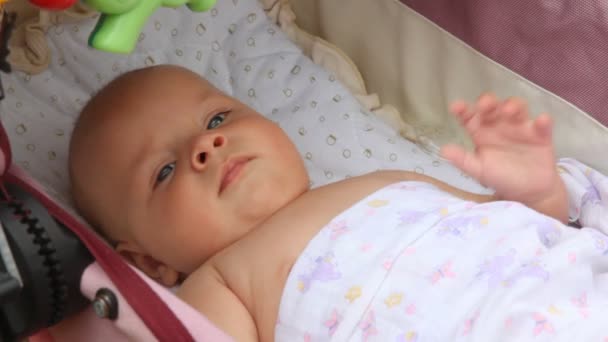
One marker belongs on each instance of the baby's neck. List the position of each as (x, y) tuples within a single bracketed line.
[(253, 270)]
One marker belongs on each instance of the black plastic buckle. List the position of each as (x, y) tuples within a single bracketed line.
[(50, 260)]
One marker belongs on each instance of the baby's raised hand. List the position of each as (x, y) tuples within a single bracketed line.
[(513, 154)]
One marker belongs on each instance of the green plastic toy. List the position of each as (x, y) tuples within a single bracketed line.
[(122, 20)]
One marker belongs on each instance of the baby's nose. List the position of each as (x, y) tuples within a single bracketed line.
[(204, 147)]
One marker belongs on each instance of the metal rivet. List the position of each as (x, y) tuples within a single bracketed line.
[(105, 304)]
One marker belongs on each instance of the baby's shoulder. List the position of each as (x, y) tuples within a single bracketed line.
[(206, 291)]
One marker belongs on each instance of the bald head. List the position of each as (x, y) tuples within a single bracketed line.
[(104, 125), (150, 158)]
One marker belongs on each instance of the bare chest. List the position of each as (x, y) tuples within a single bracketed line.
[(258, 267)]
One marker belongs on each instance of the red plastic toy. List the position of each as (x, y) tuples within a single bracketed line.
[(54, 4)]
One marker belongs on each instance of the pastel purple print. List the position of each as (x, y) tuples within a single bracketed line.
[(411, 216), (591, 196), (458, 225), (548, 233), (495, 268), (323, 270)]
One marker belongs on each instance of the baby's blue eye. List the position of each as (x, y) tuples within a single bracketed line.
[(165, 172), (217, 120)]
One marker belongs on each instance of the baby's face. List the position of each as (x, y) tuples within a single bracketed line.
[(192, 170)]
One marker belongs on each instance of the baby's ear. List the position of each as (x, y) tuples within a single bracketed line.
[(150, 266)]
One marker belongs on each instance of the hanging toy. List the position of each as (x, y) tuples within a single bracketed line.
[(121, 21)]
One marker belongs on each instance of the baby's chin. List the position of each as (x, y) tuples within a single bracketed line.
[(267, 203)]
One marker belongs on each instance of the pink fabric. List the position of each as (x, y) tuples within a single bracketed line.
[(561, 45), (128, 322), (86, 326), (130, 325)]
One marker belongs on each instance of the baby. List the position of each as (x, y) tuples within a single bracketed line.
[(192, 186)]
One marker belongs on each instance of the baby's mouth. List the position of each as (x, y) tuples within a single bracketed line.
[(231, 171)]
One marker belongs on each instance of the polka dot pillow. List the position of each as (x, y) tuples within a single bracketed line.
[(241, 52)]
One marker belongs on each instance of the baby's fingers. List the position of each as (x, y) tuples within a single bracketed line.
[(467, 162), (543, 126), (461, 111), (465, 115)]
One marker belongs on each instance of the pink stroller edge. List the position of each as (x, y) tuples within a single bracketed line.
[(128, 325)]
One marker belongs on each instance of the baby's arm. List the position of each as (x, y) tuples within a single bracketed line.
[(554, 206), (206, 292), (513, 154)]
